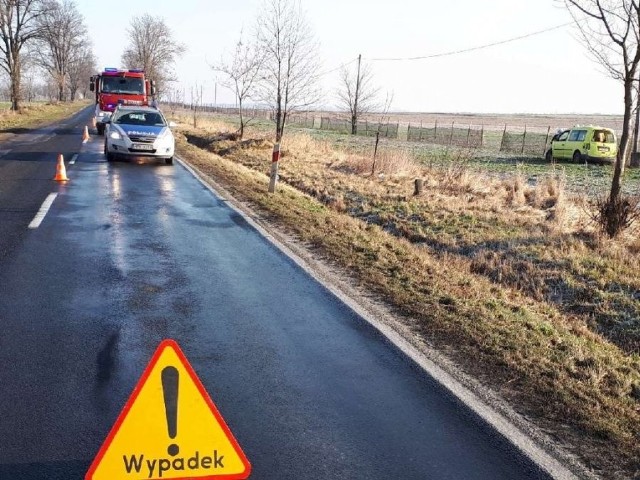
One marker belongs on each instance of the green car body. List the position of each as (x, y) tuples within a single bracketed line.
[(584, 144)]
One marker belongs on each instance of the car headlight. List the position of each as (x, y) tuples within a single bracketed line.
[(115, 135)]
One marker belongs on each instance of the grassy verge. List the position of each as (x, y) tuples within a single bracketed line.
[(36, 114), (507, 278)]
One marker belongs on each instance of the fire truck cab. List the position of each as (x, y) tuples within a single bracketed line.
[(114, 86)]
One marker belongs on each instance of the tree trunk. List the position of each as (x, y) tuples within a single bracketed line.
[(621, 158), (241, 118)]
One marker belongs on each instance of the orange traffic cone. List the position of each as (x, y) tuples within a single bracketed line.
[(93, 122), (61, 172), (85, 135)]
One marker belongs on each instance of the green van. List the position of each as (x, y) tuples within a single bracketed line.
[(584, 144)]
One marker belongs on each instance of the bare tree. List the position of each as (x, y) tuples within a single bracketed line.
[(175, 99), (289, 78), (152, 48), (18, 26), (242, 72), (62, 37), (196, 103), (357, 94), (611, 32), (82, 66)]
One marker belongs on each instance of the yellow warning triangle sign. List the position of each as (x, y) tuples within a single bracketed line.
[(169, 428)]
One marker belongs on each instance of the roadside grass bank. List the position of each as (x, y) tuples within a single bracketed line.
[(508, 278), (585, 179), (36, 114)]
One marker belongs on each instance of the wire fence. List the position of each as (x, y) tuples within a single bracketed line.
[(447, 135), (365, 128), (507, 139), (525, 143)]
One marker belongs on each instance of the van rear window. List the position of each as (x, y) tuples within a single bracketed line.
[(603, 136)]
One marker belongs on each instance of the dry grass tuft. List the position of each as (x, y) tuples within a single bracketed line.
[(388, 162), (515, 190)]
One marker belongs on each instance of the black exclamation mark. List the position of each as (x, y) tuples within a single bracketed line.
[(170, 377)]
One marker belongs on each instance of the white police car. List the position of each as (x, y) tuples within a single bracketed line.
[(138, 132)]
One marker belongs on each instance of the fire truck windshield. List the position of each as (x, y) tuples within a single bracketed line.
[(126, 85)]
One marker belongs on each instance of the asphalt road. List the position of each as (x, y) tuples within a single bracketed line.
[(130, 254)]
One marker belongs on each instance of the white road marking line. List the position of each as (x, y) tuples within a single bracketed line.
[(73, 159), (4, 152), (46, 205)]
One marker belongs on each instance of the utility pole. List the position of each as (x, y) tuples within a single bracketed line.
[(354, 114)]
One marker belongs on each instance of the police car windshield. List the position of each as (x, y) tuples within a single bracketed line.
[(149, 119), (126, 85)]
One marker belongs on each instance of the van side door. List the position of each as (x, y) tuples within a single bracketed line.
[(560, 145)]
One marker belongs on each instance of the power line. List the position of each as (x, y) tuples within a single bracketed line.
[(456, 52), (322, 74)]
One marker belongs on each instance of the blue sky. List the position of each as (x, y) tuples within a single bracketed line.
[(546, 73)]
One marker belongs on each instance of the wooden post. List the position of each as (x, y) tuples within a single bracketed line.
[(524, 139), (417, 187), (503, 134), (482, 135), (468, 133), (451, 134), (435, 132), (420, 134), (546, 140), (375, 152)]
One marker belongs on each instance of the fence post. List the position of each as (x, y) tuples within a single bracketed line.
[(468, 133), (375, 152), (420, 133), (502, 139), (435, 132), (546, 140), (451, 134), (524, 139), (482, 135)]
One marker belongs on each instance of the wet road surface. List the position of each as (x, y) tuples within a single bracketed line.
[(131, 254)]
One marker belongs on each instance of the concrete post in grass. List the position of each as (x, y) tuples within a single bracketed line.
[(275, 158)]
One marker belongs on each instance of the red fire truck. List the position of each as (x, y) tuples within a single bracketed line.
[(114, 86)]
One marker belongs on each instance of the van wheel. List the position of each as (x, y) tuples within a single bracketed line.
[(577, 157), (549, 156), (169, 161)]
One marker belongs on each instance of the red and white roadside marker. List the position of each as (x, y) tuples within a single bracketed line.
[(275, 158)]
